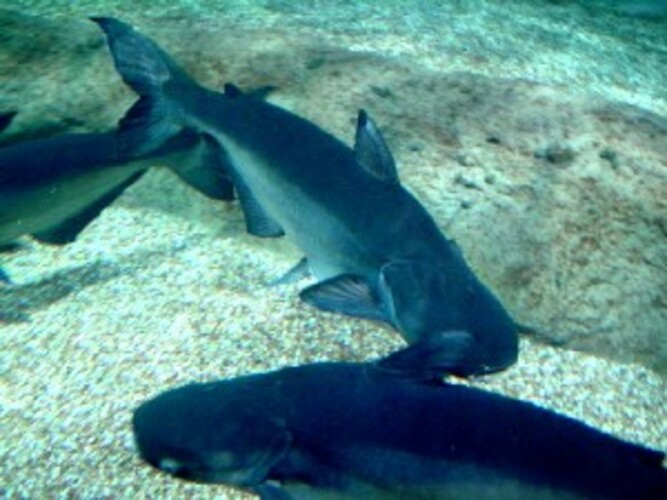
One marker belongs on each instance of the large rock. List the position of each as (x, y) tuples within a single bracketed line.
[(557, 199)]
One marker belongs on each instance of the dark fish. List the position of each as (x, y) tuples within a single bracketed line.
[(375, 250), (6, 119), (345, 430), (53, 188)]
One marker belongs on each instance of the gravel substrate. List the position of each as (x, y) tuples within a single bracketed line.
[(166, 288)]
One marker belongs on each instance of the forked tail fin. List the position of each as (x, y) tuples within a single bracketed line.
[(150, 72), (142, 64)]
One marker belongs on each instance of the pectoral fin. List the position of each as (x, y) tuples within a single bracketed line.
[(4, 278), (276, 452), (437, 355), (67, 230), (347, 294)]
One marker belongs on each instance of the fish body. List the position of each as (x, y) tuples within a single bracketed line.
[(346, 430), (375, 250), (53, 188)]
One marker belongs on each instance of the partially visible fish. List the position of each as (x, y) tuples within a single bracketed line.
[(53, 188), (365, 430), (6, 119), (647, 9), (375, 250)]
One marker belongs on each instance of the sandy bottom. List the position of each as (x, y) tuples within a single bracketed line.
[(166, 288)]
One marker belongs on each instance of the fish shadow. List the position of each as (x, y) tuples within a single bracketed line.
[(17, 301)]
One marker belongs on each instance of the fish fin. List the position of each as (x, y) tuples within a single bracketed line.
[(268, 491), (146, 126), (141, 63), (150, 72), (68, 230), (276, 452), (6, 119), (258, 222), (208, 170), (233, 91), (371, 150), (347, 294), (299, 271), (431, 358)]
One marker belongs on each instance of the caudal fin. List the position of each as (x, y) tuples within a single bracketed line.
[(149, 71), (142, 64)]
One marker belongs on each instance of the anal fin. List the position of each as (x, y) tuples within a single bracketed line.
[(258, 221)]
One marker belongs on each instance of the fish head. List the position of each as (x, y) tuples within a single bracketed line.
[(423, 300), (204, 433)]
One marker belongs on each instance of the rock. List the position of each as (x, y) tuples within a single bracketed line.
[(557, 154), (578, 253)]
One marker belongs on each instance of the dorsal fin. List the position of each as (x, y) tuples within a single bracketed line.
[(371, 150), (6, 119), (232, 91)]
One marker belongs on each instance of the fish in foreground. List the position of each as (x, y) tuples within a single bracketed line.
[(375, 250), (368, 430)]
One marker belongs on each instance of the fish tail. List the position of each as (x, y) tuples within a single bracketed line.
[(141, 63), (157, 121), (150, 72)]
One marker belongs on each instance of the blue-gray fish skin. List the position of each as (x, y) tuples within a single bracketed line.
[(345, 430), (53, 188), (375, 250)]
